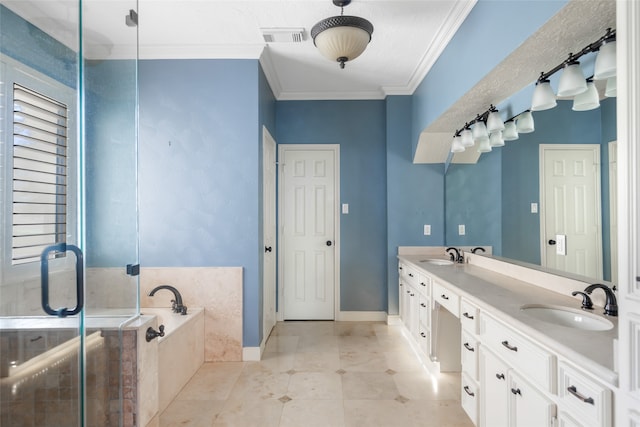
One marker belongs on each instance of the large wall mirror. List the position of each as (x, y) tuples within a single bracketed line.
[(503, 202)]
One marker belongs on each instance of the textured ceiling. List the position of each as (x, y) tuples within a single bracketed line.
[(408, 37), (575, 26)]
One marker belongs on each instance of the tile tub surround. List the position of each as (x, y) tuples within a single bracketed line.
[(338, 374), (216, 289)]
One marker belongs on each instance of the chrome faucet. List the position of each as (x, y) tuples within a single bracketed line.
[(611, 305), (176, 304), (458, 257)]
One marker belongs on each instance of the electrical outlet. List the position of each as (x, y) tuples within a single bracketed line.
[(461, 230), (534, 208), (427, 230), (345, 208)]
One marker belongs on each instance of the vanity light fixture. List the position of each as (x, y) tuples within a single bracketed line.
[(494, 121), (543, 96), (467, 136), (606, 60), (588, 100), (342, 38), (456, 145), (495, 139), (510, 133), (572, 80), (479, 130), (484, 145), (524, 122)]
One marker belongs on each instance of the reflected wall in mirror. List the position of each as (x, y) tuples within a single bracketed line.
[(493, 198)]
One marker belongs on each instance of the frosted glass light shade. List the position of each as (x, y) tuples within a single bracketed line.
[(495, 139), (612, 87), (494, 122), (543, 97), (510, 133), (588, 100), (467, 138), (605, 61), (456, 145), (572, 81), (484, 146), (480, 131), (342, 38), (524, 123)]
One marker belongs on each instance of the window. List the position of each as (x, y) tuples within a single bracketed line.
[(39, 213)]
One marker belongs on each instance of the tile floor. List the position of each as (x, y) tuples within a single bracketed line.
[(327, 374)]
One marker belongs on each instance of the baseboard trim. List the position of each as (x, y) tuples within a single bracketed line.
[(394, 320), (362, 316), (251, 354)]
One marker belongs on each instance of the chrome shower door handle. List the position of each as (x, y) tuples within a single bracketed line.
[(44, 280)]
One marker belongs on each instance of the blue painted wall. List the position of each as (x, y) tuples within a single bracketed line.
[(415, 194), (473, 198), (359, 128), (492, 30), (199, 169)]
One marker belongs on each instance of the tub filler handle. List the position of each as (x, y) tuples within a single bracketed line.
[(152, 333)]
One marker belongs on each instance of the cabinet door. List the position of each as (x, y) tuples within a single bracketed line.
[(414, 312), (528, 407), (494, 392)]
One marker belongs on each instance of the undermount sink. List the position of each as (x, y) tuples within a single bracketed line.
[(567, 316), (437, 261)]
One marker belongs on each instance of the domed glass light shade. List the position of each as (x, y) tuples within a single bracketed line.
[(467, 138), (480, 131), (524, 123), (510, 133), (342, 38), (494, 122), (456, 145), (612, 86), (495, 139), (484, 146), (589, 100), (605, 61), (543, 96), (572, 81)]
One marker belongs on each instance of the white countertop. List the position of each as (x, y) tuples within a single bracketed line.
[(502, 296)]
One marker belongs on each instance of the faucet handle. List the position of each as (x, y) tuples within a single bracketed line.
[(587, 304)]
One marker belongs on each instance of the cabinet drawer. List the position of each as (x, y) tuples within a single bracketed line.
[(425, 312), (585, 399), (423, 340), (522, 354), (424, 285), (447, 298), (469, 316), (469, 354), (469, 397), (410, 275)]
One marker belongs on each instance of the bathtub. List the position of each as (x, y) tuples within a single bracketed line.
[(180, 350)]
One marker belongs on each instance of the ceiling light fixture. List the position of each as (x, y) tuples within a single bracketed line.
[(342, 38)]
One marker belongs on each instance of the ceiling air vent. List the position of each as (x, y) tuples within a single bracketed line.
[(283, 35)]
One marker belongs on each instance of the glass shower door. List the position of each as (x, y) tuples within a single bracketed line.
[(68, 216)]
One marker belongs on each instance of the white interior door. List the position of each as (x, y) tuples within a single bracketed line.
[(570, 220), (269, 232), (308, 218)]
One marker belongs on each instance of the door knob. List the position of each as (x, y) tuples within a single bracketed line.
[(552, 242), (267, 248), (329, 243)]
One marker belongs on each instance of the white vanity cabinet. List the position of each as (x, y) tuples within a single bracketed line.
[(415, 305), (470, 343)]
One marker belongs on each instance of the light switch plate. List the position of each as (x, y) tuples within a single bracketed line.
[(561, 244), (345, 208), (427, 230), (461, 230), (534, 208)]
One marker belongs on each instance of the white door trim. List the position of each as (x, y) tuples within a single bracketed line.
[(336, 252), (268, 292)]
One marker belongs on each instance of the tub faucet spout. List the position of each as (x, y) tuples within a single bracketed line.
[(176, 303)]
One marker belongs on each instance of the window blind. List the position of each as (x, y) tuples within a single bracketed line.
[(39, 216)]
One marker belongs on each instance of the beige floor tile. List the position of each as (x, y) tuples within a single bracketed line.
[(281, 344), (317, 362), (277, 362), (364, 329), (359, 343), (213, 381), (317, 343), (423, 386), (250, 413), (369, 385), (363, 361), (192, 413), (260, 385), (313, 413), (315, 385), (403, 360)]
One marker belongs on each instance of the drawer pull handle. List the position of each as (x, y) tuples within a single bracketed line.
[(410, 274), (516, 391), (444, 296), (423, 305), (467, 315), (510, 347), (469, 392), (468, 347), (423, 335), (408, 291), (500, 376), (572, 389), (423, 284)]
